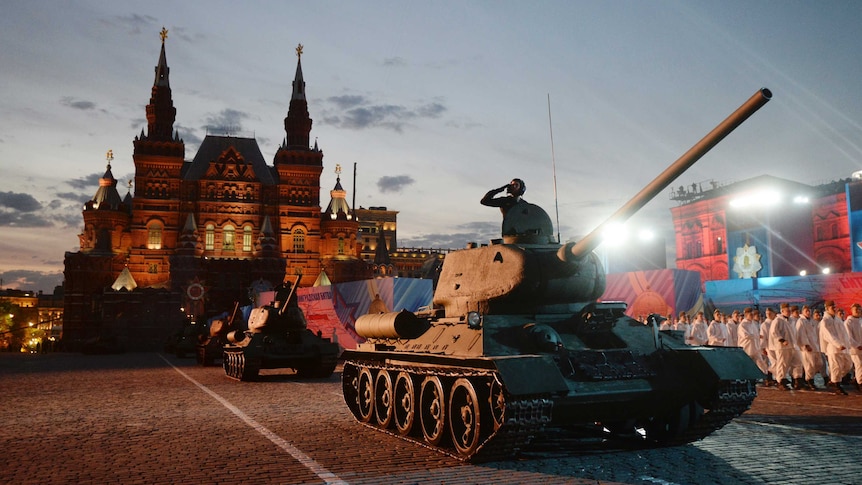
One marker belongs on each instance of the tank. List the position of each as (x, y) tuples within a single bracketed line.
[(517, 346), (213, 337), (276, 336)]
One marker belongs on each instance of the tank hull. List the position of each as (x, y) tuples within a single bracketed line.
[(491, 406), (306, 353)]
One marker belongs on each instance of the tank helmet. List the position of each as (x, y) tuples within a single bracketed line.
[(517, 187)]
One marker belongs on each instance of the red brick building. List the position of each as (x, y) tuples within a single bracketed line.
[(200, 233), (777, 227)]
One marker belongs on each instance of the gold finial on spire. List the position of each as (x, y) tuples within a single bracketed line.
[(109, 157), (338, 169), (299, 51), (163, 34)]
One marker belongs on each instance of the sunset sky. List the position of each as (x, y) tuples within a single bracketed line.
[(435, 101)]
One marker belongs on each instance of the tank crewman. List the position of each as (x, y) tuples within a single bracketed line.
[(834, 336), (514, 191), (809, 345), (716, 333), (853, 325), (287, 301), (749, 339), (699, 333)]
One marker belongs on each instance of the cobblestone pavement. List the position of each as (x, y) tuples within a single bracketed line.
[(148, 418)]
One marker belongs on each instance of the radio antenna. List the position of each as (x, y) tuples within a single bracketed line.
[(554, 169)]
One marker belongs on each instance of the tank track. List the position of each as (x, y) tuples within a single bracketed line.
[(521, 420), (237, 366), (525, 420), (732, 398)]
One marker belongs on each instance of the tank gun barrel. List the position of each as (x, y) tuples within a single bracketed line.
[(576, 251)]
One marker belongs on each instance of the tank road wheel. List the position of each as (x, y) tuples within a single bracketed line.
[(365, 394), (432, 410), (464, 417), (497, 401), (383, 402), (350, 388), (229, 364), (664, 429), (404, 403)]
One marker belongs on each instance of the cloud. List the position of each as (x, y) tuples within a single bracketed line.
[(481, 232), (20, 279), (348, 101), (23, 210), (19, 202), (228, 120), (135, 23), (394, 184), (394, 62), (86, 182), (356, 112), (77, 103), (188, 136)]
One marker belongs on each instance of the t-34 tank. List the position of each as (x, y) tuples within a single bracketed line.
[(213, 337), (517, 345), (276, 337)]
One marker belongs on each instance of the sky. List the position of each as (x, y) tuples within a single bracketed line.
[(435, 102)]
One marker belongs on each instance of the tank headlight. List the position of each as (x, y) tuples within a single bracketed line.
[(474, 320)]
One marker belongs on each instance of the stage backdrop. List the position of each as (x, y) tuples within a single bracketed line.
[(333, 310), (844, 288), (660, 291)]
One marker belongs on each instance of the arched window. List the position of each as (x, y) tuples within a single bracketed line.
[(834, 228), (209, 238), (340, 245), (154, 235), (229, 234), (298, 240), (246, 238)]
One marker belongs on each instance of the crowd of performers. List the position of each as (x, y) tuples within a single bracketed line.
[(791, 346)]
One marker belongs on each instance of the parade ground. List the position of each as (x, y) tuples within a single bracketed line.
[(142, 418)]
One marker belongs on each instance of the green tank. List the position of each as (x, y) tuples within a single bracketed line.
[(275, 337), (516, 346)]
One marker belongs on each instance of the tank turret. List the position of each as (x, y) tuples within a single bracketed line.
[(276, 336), (516, 342)]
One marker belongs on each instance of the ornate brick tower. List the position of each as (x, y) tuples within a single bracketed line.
[(158, 157), (340, 245), (299, 167)]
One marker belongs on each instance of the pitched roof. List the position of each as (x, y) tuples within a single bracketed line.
[(214, 145)]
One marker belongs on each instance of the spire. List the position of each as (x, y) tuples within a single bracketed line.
[(381, 252), (298, 82), (161, 113), (266, 241), (188, 243), (338, 208), (297, 124), (107, 197), (162, 70)]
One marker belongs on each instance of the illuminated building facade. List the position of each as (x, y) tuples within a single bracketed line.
[(764, 226), (196, 235)]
